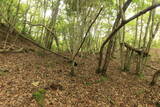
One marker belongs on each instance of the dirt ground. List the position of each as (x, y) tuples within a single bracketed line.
[(30, 71)]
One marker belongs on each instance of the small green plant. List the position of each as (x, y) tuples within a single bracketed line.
[(157, 104), (39, 96), (102, 79), (140, 75), (3, 72), (88, 83)]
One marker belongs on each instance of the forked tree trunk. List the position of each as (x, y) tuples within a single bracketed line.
[(49, 37), (112, 34), (103, 65), (142, 60)]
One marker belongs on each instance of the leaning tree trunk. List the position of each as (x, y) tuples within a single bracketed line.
[(104, 62), (139, 57), (49, 37), (112, 34), (83, 41), (142, 60)]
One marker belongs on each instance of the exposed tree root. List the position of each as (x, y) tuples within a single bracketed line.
[(21, 50), (155, 76)]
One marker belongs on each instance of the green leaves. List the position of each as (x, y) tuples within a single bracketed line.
[(39, 97)]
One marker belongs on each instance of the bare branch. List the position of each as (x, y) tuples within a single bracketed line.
[(29, 23), (87, 33), (111, 35)]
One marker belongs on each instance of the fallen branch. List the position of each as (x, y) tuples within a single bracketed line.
[(36, 44), (112, 34), (123, 23), (138, 51), (29, 23), (33, 42), (149, 66), (21, 50)]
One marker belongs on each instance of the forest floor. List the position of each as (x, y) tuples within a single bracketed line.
[(29, 71)]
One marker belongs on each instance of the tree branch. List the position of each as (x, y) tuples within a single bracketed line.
[(111, 35), (87, 33), (128, 20), (29, 23), (33, 42), (138, 51)]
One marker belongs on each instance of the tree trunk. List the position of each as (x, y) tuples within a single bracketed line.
[(49, 37), (104, 64), (112, 34)]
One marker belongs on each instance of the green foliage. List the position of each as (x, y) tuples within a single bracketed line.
[(88, 83), (157, 104), (79, 5), (129, 39), (156, 44), (140, 75), (102, 79), (3, 72), (135, 1), (70, 19), (39, 96)]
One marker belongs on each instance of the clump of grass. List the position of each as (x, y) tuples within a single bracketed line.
[(39, 96), (88, 83), (157, 104), (3, 72), (102, 79), (140, 75)]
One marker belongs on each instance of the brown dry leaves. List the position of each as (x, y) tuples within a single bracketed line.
[(28, 72)]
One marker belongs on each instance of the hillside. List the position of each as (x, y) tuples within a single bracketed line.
[(28, 71)]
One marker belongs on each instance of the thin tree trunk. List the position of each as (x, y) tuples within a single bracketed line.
[(103, 65), (112, 34), (49, 37)]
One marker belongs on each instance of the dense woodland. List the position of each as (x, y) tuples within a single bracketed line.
[(100, 47)]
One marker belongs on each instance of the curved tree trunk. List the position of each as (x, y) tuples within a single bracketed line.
[(112, 34)]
